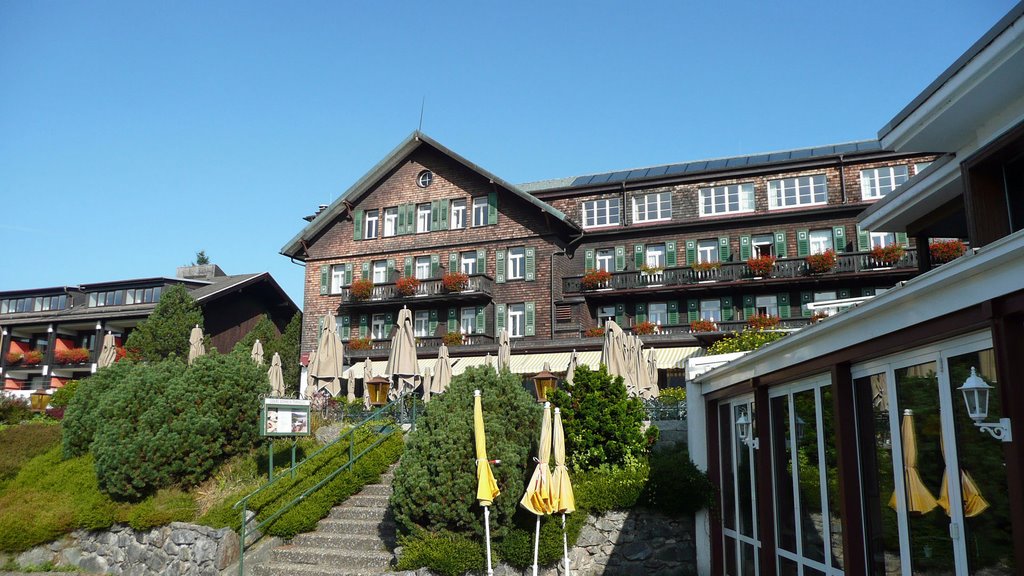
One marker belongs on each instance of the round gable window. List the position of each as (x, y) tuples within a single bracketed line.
[(424, 178)]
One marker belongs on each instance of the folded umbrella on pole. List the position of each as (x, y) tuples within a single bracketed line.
[(486, 486), (276, 376), (537, 498), (196, 348), (257, 352), (562, 498), (108, 354)]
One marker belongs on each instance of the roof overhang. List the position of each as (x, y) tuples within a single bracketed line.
[(938, 184)]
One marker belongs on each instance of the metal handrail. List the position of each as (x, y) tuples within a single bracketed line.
[(245, 532)]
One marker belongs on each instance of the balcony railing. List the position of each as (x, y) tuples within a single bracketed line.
[(847, 263), (431, 341), (478, 284)]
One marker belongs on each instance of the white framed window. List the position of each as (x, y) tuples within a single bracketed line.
[(604, 314), (727, 199), (800, 191), (654, 255), (657, 313), (423, 267), (711, 310), (467, 320), (337, 278), (877, 182), (820, 241), (707, 250), (422, 218), (516, 263), (479, 211), (605, 259), (920, 166), (823, 297), (390, 221), (458, 218), (380, 271), (652, 207), (421, 324), (370, 227), (764, 245), (379, 327), (516, 320), (882, 239), (601, 213), (467, 262), (767, 305)]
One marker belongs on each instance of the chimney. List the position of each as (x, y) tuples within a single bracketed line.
[(200, 272), (312, 217)]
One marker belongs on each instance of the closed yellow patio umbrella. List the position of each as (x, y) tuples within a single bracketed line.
[(974, 502), (562, 498), (537, 498), (919, 498), (486, 486)]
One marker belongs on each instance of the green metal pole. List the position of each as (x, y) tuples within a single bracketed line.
[(294, 442), (270, 470)]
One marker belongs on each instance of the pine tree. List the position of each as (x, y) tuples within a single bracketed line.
[(167, 328)]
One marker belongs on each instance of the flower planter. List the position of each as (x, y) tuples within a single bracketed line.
[(360, 290), (761, 266), (455, 282), (821, 263), (595, 279), (407, 286), (887, 256)]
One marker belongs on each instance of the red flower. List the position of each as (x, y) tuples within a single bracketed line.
[(361, 289), (943, 251), (453, 339), (455, 281), (360, 344), (703, 326), (888, 255), (72, 356), (407, 286), (645, 328), (821, 263), (763, 322), (762, 265), (594, 332), (596, 279)]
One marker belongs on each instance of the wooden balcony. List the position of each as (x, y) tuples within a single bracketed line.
[(785, 269), (479, 288)]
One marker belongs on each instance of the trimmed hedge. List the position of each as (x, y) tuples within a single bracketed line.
[(446, 553), (516, 548), (23, 442)]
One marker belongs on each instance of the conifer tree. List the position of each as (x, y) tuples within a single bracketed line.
[(167, 328)]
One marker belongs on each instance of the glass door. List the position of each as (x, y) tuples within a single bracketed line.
[(739, 488)]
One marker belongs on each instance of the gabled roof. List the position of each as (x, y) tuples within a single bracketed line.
[(397, 156)]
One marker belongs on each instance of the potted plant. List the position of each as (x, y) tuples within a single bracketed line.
[(887, 255), (644, 328), (72, 356), (596, 279), (33, 357), (360, 290), (707, 266), (761, 265), (703, 326), (14, 358), (408, 285), (763, 322), (943, 251), (651, 270), (455, 281), (594, 332), (360, 344), (822, 263), (453, 339)]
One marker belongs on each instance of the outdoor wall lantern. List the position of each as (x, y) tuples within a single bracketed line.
[(976, 398), (743, 430), (544, 382), (378, 387)]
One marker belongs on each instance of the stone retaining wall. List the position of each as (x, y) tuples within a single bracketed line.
[(179, 549)]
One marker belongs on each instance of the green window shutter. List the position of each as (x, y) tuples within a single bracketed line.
[(325, 272), (749, 307), (638, 255), (366, 270), (492, 208), (481, 260), (531, 264), (620, 314), (901, 239), (435, 214), (839, 237), (481, 320), (691, 252), (444, 207), (727, 311), (692, 310), (588, 260), (391, 271), (499, 266), (805, 299), (435, 265), (745, 248), (673, 312), (348, 274), (640, 312), (499, 318), (783, 302), (531, 319), (620, 258), (319, 328), (843, 293), (863, 240), (410, 219), (670, 254), (453, 262), (408, 266), (433, 321), (867, 291), (780, 244), (346, 326), (453, 319), (724, 254), (400, 228), (357, 225), (364, 325), (803, 243), (389, 320)]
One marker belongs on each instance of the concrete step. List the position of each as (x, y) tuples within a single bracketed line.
[(343, 541), (358, 559), (376, 490), (367, 501), (358, 513), (289, 569), (336, 526)]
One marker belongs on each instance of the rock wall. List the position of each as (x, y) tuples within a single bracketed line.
[(635, 542), (176, 550)]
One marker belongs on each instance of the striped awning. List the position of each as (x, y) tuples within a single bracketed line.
[(669, 358)]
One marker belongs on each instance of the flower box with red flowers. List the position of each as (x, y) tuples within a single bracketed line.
[(71, 356), (407, 286), (455, 281), (453, 339), (761, 266), (644, 328), (821, 263), (943, 251), (33, 357), (707, 266), (360, 344), (887, 255), (763, 322), (360, 290), (593, 332), (703, 326), (14, 358), (596, 279)]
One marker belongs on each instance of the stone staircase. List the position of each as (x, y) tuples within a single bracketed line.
[(355, 539)]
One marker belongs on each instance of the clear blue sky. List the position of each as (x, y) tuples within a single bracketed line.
[(133, 134)]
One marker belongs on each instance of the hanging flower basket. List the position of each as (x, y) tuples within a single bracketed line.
[(360, 344), (761, 266), (72, 356), (594, 332), (822, 263), (644, 328), (943, 251), (361, 290), (763, 322), (703, 326), (453, 339), (596, 279), (887, 255), (407, 286), (455, 281)]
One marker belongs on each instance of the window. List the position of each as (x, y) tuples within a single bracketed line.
[(421, 324), (604, 314), (877, 182), (605, 259), (882, 239), (390, 221), (380, 271), (654, 256), (652, 207), (764, 245), (727, 199), (467, 262), (458, 219), (379, 327), (422, 218), (601, 213), (711, 310), (824, 297), (707, 251), (423, 267), (920, 167), (337, 278), (820, 241), (467, 320), (657, 313), (516, 263), (767, 305), (516, 320), (480, 211), (370, 231), (802, 191), (39, 304)]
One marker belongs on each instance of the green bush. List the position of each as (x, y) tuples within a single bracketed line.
[(13, 410), (166, 506), (83, 412), (285, 343), (23, 442), (445, 553), (602, 424), (435, 484), (676, 486), (516, 547), (166, 331), (743, 341), (63, 395), (607, 488), (673, 395)]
